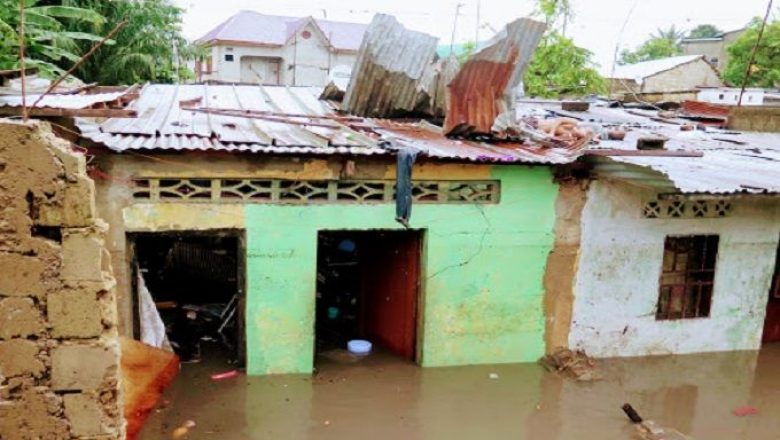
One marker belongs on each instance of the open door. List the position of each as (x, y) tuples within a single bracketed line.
[(390, 288), (772, 322)]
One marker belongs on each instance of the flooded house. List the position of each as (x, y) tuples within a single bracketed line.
[(670, 244), (291, 219)]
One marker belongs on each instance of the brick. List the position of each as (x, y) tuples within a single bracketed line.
[(83, 367), (86, 415), (19, 317), (22, 275), (73, 208), (75, 314), (33, 416), (82, 255), (20, 357)]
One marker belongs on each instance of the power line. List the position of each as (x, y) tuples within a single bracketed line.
[(753, 53)]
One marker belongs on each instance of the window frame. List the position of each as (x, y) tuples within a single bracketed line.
[(679, 277), (229, 58)]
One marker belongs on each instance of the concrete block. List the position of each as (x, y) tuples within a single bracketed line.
[(75, 314), (83, 367), (20, 357), (79, 203), (21, 275), (33, 416), (86, 415), (82, 255), (19, 317)]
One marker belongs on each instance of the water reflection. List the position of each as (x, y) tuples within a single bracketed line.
[(382, 397)]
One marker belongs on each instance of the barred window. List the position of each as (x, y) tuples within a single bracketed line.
[(687, 277)]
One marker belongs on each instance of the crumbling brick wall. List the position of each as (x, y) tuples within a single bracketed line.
[(59, 351)]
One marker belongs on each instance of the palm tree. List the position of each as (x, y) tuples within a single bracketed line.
[(48, 43), (672, 34)]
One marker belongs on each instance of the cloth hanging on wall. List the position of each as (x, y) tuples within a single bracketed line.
[(403, 184), (152, 326)]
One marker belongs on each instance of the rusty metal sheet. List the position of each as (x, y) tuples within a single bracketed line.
[(389, 69), (484, 88)]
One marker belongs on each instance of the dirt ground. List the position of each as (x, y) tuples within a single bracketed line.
[(381, 397)]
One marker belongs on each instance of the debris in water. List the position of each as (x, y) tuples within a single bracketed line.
[(744, 411), (327, 423), (226, 375), (650, 430), (182, 431), (576, 364), (493, 375)]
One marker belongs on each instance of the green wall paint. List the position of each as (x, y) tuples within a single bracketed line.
[(483, 268)]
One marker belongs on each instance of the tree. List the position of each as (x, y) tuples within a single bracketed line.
[(553, 10), (469, 48), (663, 44), (50, 43), (150, 47), (561, 68), (765, 70), (705, 31)]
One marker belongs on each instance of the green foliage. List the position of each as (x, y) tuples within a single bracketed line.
[(50, 43), (149, 48), (552, 10), (705, 31), (468, 49), (765, 70), (663, 44), (560, 68)]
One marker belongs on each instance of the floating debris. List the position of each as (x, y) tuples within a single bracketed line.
[(575, 364)]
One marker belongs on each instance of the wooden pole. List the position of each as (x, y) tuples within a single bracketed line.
[(95, 47), (21, 60), (753, 53)]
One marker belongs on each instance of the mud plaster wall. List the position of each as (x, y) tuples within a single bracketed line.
[(616, 288), (562, 263), (687, 76), (482, 296), (59, 353)]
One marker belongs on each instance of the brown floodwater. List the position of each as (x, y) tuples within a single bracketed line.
[(382, 397)]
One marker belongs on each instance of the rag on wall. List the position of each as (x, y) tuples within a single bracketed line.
[(403, 184)]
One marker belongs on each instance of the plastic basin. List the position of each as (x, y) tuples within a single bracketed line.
[(359, 346)]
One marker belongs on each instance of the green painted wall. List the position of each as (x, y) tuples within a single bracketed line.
[(483, 268)]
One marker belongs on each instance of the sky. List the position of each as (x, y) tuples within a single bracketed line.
[(598, 25)]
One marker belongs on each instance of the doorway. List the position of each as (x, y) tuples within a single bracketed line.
[(772, 322), (194, 282), (368, 285)]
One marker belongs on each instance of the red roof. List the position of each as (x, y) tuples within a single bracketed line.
[(256, 28)]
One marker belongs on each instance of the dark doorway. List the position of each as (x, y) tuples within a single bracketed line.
[(367, 288), (196, 283), (772, 322)]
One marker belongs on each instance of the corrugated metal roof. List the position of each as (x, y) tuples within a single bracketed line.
[(256, 28), (640, 71), (163, 125), (76, 101)]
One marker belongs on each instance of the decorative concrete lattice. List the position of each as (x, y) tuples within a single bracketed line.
[(310, 191), (687, 208)]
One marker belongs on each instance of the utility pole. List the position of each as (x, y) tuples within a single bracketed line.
[(476, 33), (455, 26)]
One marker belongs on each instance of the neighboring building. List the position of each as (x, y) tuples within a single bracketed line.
[(269, 194), (714, 50), (667, 79), (730, 96), (254, 48), (666, 254)]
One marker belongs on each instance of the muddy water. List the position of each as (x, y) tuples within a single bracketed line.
[(384, 398)]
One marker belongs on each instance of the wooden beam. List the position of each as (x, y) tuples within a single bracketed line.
[(71, 112)]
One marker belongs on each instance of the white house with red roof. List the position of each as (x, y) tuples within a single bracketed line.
[(255, 48)]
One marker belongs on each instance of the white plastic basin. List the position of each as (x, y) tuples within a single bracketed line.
[(359, 346)]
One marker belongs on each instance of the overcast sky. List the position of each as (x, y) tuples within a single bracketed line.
[(597, 24)]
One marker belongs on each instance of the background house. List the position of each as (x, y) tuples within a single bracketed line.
[(713, 49), (254, 48), (666, 79)]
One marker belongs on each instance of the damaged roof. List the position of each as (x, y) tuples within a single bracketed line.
[(645, 69), (285, 120), (725, 162), (255, 28)]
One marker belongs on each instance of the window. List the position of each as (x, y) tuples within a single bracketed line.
[(721, 96), (687, 277), (229, 57)]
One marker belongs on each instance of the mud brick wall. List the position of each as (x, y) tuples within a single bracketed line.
[(59, 351)]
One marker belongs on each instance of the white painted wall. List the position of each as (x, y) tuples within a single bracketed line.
[(616, 287), (305, 62), (730, 96)]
